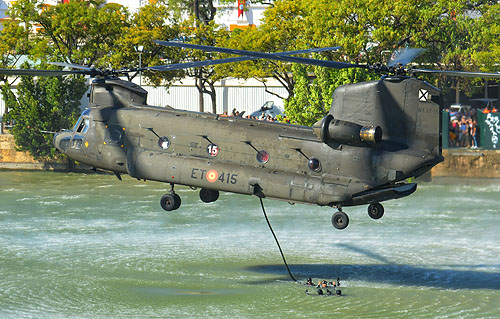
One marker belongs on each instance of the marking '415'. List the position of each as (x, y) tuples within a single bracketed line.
[(213, 176)]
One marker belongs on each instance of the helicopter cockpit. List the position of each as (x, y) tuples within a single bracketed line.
[(73, 138)]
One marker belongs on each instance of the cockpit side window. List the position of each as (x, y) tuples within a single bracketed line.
[(82, 125)]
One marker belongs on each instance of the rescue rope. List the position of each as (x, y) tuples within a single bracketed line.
[(276, 239)]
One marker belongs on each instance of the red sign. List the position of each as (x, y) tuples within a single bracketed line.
[(241, 7)]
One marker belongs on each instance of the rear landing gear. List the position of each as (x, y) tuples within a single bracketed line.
[(375, 210), (170, 201), (340, 220)]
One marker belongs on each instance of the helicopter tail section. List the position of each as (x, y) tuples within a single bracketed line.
[(407, 112)]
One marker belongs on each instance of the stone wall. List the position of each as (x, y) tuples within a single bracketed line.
[(10, 158), (457, 162), (469, 163)]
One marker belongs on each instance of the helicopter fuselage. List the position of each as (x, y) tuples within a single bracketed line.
[(294, 163)]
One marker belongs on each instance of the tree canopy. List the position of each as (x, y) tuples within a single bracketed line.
[(458, 35)]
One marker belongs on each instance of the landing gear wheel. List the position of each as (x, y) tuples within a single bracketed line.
[(375, 210), (208, 195), (177, 200), (340, 220), (170, 202)]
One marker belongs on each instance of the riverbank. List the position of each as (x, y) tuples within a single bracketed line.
[(458, 162), (464, 162), (12, 159)]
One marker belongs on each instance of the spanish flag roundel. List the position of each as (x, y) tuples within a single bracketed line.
[(212, 175)]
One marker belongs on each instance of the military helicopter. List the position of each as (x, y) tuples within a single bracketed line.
[(376, 136)]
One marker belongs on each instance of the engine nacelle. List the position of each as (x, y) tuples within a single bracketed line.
[(331, 130)]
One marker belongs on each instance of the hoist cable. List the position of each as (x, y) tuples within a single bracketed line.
[(276, 239)]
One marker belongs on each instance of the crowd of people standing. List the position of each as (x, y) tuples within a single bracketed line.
[(463, 131), (463, 127)]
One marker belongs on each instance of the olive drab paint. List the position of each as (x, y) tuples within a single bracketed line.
[(377, 135)]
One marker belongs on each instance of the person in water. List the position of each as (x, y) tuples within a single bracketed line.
[(309, 282)]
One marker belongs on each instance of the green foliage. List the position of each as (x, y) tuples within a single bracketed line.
[(456, 35), (45, 104), (81, 32), (486, 40), (14, 40), (207, 34), (313, 98), (282, 29), (151, 22)]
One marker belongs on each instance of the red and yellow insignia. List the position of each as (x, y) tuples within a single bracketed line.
[(212, 175)]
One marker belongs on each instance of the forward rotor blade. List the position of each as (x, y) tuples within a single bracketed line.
[(405, 56), (32, 72), (457, 73), (197, 64), (72, 65), (262, 55)]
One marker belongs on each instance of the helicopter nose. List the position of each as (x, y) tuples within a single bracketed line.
[(61, 141)]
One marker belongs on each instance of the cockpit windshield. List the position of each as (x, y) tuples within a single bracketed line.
[(82, 125)]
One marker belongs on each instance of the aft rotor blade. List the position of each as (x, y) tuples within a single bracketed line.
[(262, 55), (457, 73), (33, 72), (405, 56), (197, 64)]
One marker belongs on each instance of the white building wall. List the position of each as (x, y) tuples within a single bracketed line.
[(185, 97), (244, 98)]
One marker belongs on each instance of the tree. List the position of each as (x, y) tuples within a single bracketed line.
[(78, 32), (14, 40), (282, 29), (486, 39), (41, 106), (202, 29), (153, 21), (205, 77), (81, 32), (445, 29)]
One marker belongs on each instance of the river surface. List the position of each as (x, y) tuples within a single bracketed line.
[(90, 246)]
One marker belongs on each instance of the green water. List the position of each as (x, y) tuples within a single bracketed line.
[(89, 246)]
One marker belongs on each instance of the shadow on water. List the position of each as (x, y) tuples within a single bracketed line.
[(395, 274)]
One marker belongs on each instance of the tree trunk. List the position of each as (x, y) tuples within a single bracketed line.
[(213, 97), (200, 94)]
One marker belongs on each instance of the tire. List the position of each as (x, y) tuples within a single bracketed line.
[(340, 220), (169, 202), (178, 201), (208, 195), (375, 210)]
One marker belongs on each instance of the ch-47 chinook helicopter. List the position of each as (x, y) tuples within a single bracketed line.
[(377, 135)]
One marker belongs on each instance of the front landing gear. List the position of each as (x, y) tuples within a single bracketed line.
[(170, 201), (340, 220)]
